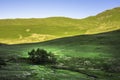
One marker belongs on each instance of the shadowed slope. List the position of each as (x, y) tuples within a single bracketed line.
[(98, 45), (95, 47)]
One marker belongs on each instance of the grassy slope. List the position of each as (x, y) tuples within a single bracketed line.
[(97, 45), (35, 30), (104, 45)]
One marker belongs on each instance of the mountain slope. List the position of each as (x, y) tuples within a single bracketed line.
[(106, 21), (35, 30), (97, 45), (97, 48)]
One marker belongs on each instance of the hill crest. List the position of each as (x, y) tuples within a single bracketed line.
[(20, 30)]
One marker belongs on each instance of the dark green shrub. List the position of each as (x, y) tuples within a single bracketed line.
[(41, 56), (2, 62), (112, 65)]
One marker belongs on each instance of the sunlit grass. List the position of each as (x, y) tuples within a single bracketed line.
[(15, 31)]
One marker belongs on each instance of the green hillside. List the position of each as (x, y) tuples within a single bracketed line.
[(94, 45), (98, 49), (35, 30), (85, 49)]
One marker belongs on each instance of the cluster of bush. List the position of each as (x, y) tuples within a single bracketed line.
[(108, 65), (41, 56), (111, 65), (2, 62)]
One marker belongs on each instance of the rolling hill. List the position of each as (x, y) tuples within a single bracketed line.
[(94, 45), (98, 48), (87, 49), (14, 31)]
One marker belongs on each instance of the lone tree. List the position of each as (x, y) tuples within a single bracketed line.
[(41, 56)]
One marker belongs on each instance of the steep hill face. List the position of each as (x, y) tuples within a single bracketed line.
[(106, 21), (35, 30)]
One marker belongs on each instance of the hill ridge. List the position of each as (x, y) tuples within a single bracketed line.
[(20, 30)]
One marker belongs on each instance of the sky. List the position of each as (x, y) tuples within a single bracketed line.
[(54, 8)]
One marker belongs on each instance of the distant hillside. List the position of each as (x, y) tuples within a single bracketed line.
[(102, 45), (35, 30), (106, 21)]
